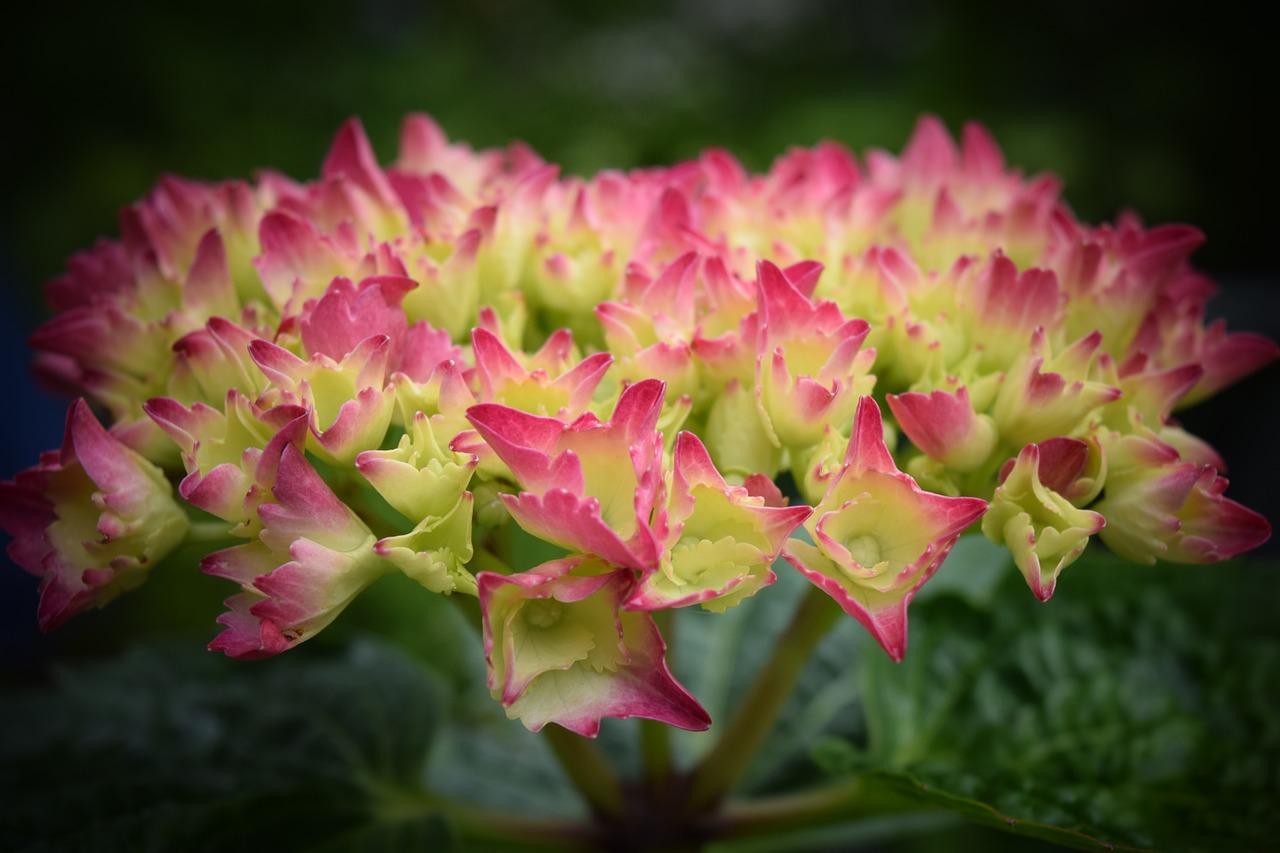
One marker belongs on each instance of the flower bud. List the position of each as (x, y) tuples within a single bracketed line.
[(1037, 522)]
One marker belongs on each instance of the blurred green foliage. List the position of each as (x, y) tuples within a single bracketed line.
[(168, 749), (1135, 712)]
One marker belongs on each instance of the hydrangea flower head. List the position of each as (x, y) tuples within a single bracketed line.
[(380, 369)]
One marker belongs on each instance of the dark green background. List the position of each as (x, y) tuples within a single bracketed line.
[(1161, 112)]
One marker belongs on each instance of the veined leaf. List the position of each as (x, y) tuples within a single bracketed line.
[(165, 749), (1136, 709)]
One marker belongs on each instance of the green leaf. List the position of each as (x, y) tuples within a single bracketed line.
[(165, 749), (1136, 709)]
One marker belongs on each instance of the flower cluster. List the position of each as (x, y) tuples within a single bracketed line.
[(387, 369)]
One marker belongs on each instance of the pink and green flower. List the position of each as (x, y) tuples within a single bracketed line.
[(561, 649), (877, 537), (590, 486), (90, 520)]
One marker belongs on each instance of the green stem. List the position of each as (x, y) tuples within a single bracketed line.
[(655, 754), (655, 737), (469, 607), (484, 560), (847, 800), (481, 824), (746, 731), (474, 823), (201, 532), (496, 542), (588, 769)]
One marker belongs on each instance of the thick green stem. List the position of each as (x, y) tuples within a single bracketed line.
[(655, 754), (774, 814), (655, 737), (481, 824), (836, 803), (588, 769), (484, 824), (759, 710)]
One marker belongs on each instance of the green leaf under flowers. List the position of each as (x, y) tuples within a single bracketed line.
[(1136, 709), (167, 749)]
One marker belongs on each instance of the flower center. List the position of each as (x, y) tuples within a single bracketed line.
[(865, 549), (543, 612)]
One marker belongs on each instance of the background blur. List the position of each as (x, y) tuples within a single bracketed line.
[(1159, 113)]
